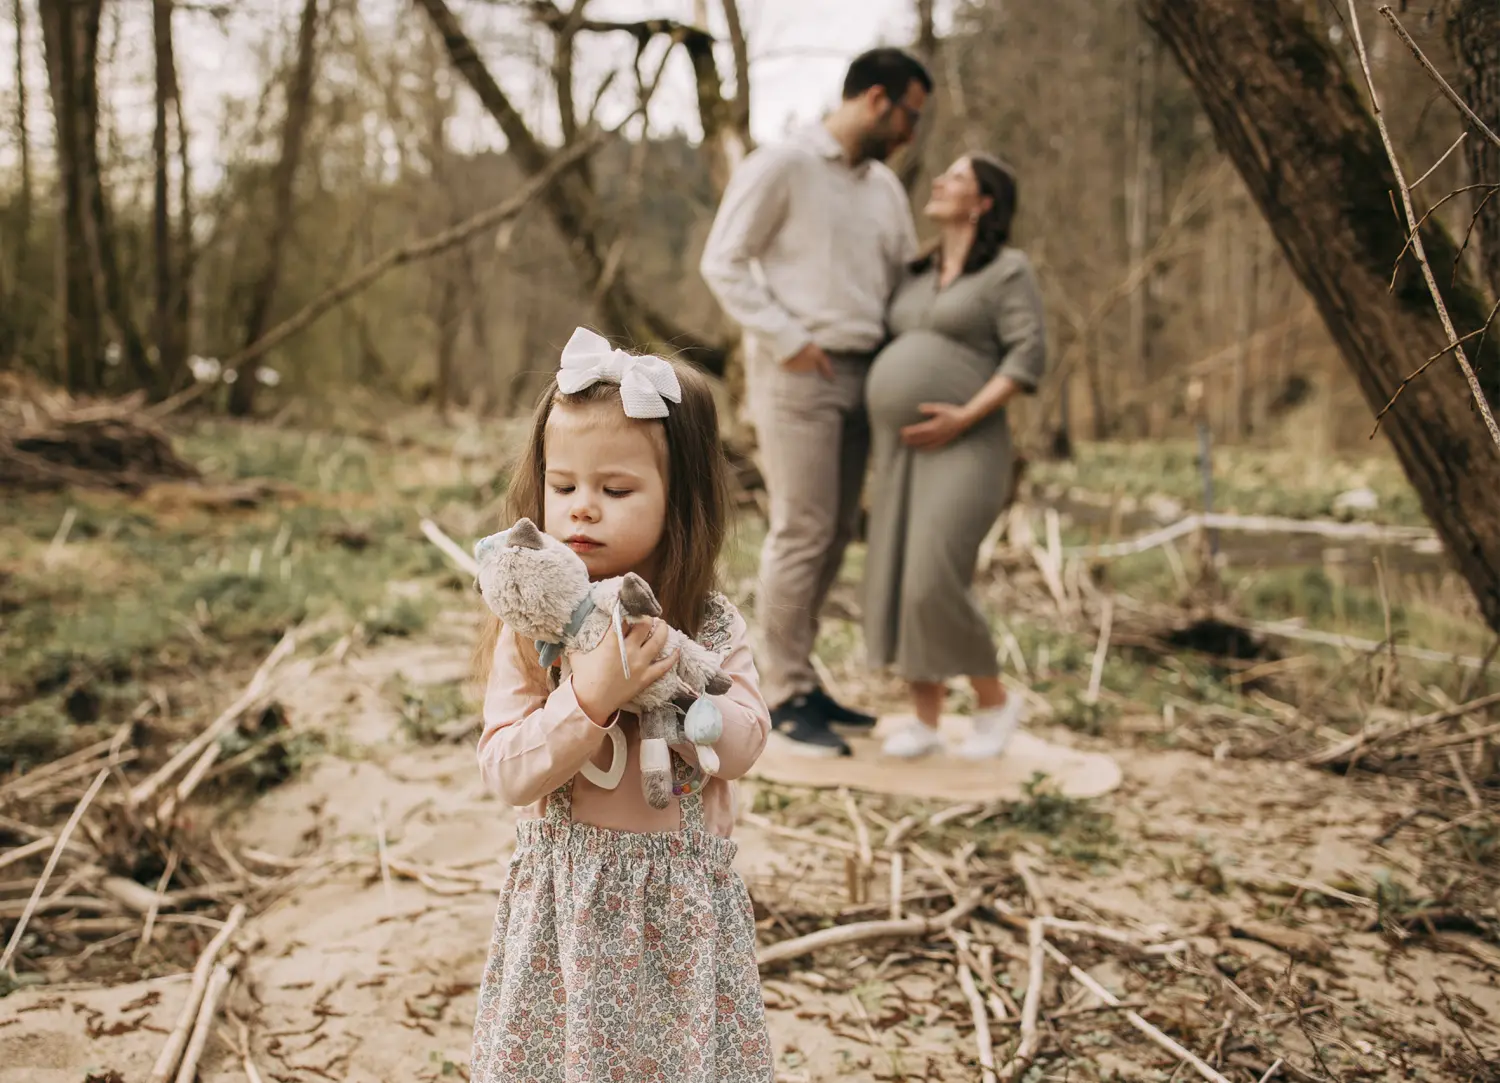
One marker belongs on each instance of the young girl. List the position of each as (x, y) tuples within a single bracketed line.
[(624, 945)]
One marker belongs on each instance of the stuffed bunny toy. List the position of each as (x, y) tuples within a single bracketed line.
[(541, 589)]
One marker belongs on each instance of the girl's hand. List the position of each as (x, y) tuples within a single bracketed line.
[(599, 682)]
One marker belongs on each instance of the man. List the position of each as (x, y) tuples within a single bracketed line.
[(828, 228)]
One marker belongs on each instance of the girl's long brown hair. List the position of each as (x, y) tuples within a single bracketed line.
[(697, 504)]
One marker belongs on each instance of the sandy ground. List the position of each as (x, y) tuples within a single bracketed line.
[(361, 980)]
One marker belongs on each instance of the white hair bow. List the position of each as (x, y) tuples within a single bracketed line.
[(646, 382)]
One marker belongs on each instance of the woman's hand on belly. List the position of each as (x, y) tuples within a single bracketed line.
[(944, 423)]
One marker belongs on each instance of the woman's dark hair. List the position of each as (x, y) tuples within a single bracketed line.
[(992, 231)]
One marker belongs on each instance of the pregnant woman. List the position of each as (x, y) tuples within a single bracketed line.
[(967, 335)]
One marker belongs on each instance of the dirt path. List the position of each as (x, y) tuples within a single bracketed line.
[(361, 980)]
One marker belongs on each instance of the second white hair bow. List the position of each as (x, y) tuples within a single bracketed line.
[(646, 382)]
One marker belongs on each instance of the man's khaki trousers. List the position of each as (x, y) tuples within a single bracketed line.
[(814, 442)]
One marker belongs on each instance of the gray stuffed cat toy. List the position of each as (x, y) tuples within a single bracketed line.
[(540, 588)]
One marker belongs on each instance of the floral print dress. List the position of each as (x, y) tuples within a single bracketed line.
[(621, 956)]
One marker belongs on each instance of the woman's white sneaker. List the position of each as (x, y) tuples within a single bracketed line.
[(913, 741), (993, 730)]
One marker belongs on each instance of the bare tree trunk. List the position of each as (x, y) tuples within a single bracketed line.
[(446, 313), (23, 146), (909, 168), (187, 249), (1303, 139), (1248, 313), (283, 193), (79, 333), (740, 49), (111, 295), (1474, 35), (570, 203), (1138, 191), (14, 326), (171, 334), (1097, 409)]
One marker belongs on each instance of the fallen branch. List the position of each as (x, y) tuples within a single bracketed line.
[(981, 1023), (1039, 903), (242, 1044), (1298, 943), (861, 931), (864, 854), (171, 1054), (26, 785), (52, 860), (215, 729), (217, 983), (1086, 980), (21, 853), (367, 275), (1342, 751), (1289, 630), (1031, 1007), (450, 548), (155, 908), (1374, 533)]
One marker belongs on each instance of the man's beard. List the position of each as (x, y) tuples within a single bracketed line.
[(876, 145)]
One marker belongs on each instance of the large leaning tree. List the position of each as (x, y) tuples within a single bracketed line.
[(1296, 124)]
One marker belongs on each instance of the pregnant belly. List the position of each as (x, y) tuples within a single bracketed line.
[(918, 367)]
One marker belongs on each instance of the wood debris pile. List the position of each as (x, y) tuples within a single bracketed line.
[(49, 440), (919, 923), (110, 868)]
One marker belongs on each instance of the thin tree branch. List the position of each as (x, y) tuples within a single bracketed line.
[(1434, 167), (1473, 221), (741, 51), (1396, 267), (1479, 332), (572, 206), (1421, 253), (417, 250), (1448, 92)]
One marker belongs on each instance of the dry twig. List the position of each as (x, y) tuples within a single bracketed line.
[(981, 1023), (857, 932), (215, 729), (1086, 980), (1031, 1006), (171, 1054), (52, 859), (1411, 220)]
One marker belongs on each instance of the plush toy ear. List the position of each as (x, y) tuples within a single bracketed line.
[(636, 597), (524, 534)]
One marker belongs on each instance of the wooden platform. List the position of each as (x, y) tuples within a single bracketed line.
[(1075, 773)]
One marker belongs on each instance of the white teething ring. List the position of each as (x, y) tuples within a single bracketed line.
[(608, 780)]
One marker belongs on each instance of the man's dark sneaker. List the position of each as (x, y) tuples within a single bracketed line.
[(838, 714), (802, 727)]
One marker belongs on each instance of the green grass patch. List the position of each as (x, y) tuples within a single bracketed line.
[(1247, 481), (150, 591)]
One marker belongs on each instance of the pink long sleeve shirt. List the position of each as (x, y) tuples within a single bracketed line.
[(533, 742)]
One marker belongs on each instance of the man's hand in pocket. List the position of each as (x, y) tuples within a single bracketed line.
[(810, 358)]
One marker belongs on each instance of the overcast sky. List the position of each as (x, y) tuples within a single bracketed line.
[(799, 49)]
